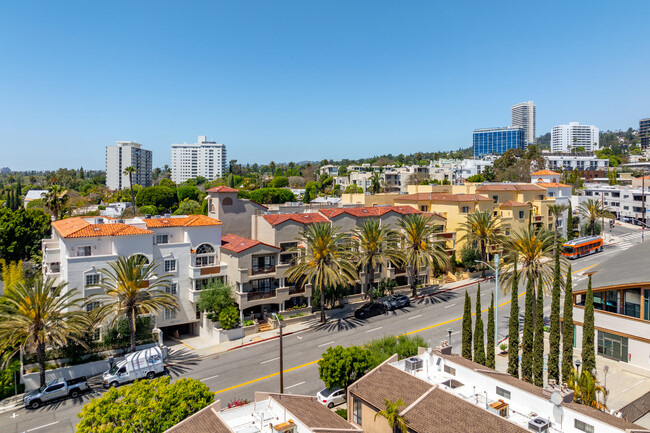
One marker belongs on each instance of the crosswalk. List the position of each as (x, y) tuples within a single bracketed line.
[(630, 239)]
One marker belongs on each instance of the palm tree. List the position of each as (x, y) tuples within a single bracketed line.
[(54, 199), (591, 210), (130, 170), (376, 246), (533, 249), (420, 246), (375, 183), (40, 315), (557, 210), (325, 263), (391, 413), (131, 289), (482, 228), (586, 390)]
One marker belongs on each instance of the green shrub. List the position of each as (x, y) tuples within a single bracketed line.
[(343, 413), (249, 322), (148, 210), (404, 346), (119, 336), (229, 317)]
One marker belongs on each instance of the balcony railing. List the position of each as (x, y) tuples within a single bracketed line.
[(296, 290), (265, 270), (253, 296)]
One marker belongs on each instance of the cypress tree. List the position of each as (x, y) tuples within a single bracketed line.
[(567, 328), (554, 334), (527, 339), (479, 338), (467, 328), (513, 326), (569, 223), (489, 356), (538, 342), (588, 349)]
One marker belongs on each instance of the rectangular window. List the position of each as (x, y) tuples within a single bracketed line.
[(169, 314), (464, 209), (84, 251), (162, 239), (583, 426), (449, 370), (521, 214), (202, 261), (356, 411), (170, 265), (91, 280), (91, 306), (503, 393), (495, 198), (172, 289)]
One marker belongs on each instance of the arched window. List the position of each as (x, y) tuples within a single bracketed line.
[(205, 255), (227, 201), (141, 258)]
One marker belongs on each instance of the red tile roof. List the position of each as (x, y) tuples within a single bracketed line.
[(371, 211), (184, 221), (545, 173), (221, 188), (510, 187), (237, 244), (80, 228), (303, 218), (431, 196), (553, 185), (512, 203)]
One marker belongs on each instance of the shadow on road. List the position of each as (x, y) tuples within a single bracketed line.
[(180, 361), (342, 324), (437, 296)]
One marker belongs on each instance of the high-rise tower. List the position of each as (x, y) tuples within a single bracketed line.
[(523, 116)]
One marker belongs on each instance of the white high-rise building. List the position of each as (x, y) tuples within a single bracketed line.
[(205, 158), (565, 138), (125, 154), (523, 116)]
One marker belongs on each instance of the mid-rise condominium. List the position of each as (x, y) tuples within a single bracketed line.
[(127, 154), (204, 158), (495, 141), (566, 138), (523, 116), (644, 133)]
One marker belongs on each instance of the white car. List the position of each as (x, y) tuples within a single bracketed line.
[(332, 397)]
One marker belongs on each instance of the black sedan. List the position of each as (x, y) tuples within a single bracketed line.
[(369, 310), (399, 301)]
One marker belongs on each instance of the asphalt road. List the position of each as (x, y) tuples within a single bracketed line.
[(240, 372)]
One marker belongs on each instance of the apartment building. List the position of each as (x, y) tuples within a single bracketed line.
[(579, 161), (444, 392), (644, 133), (625, 202), (128, 154), (495, 141), (566, 138), (203, 158), (234, 213), (524, 116), (187, 247), (556, 190)]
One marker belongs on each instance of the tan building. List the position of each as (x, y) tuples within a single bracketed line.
[(234, 213)]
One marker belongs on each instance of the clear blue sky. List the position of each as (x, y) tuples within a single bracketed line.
[(307, 80)]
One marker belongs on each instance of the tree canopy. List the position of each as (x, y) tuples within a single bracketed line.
[(163, 197), (21, 232)]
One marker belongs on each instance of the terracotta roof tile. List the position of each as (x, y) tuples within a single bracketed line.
[(510, 187), (184, 221), (371, 211), (302, 218), (430, 196), (545, 173), (79, 228), (553, 185), (221, 188), (237, 244), (512, 203)]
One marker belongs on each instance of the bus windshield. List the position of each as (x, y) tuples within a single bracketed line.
[(568, 249)]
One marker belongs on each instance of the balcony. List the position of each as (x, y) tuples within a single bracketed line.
[(194, 295), (297, 290), (264, 294), (262, 271), (206, 271)]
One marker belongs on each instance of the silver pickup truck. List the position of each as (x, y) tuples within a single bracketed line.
[(56, 389)]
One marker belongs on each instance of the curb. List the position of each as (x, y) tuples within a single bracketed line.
[(4, 408), (259, 341)]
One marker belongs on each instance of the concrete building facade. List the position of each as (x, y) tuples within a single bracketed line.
[(524, 116), (128, 154), (566, 138), (203, 158), (644, 133)]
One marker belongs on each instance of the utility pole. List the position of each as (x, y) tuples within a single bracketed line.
[(643, 212), (281, 357), (602, 215)]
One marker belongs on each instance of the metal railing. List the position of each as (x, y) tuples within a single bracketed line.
[(253, 296)]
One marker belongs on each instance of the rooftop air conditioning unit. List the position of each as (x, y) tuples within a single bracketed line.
[(538, 425), (413, 364)]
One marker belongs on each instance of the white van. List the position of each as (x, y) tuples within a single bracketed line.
[(138, 365)]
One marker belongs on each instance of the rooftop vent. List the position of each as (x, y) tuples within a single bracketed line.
[(538, 425), (413, 364)]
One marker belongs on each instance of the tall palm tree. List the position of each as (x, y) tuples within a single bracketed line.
[(420, 246), (325, 263), (375, 183), (40, 315), (482, 227), (391, 413), (131, 289), (376, 246), (130, 170), (557, 210), (591, 210), (55, 199)]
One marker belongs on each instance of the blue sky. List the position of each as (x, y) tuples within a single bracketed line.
[(307, 80)]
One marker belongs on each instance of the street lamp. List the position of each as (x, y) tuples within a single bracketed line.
[(578, 364), (449, 330), (281, 368), (496, 293)]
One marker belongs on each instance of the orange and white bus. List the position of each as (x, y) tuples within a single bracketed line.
[(580, 247)]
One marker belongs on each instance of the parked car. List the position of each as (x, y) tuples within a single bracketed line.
[(332, 397), (56, 389), (369, 310), (400, 301), (145, 363)]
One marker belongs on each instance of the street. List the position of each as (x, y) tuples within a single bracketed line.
[(239, 373)]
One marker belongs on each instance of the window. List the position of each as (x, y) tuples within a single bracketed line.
[(84, 251), (170, 265), (495, 198), (583, 426), (464, 209), (449, 370), (92, 305), (521, 214), (169, 314), (227, 201), (356, 411), (91, 280), (503, 393), (172, 289), (204, 255), (162, 239)]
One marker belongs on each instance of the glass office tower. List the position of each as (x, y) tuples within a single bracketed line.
[(495, 141)]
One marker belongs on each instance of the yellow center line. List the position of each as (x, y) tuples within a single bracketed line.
[(406, 333)]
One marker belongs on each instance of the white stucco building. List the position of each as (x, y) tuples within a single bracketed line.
[(523, 116), (203, 158), (580, 161), (565, 138), (125, 154)]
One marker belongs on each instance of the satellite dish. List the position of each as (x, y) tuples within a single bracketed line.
[(556, 398)]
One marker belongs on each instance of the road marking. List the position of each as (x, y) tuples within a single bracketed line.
[(415, 317), (633, 386), (326, 344), (211, 377), (46, 425), (449, 306), (270, 360), (297, 384), (376, 329)]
